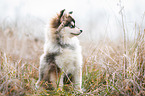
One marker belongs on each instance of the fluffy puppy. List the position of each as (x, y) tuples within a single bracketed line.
[(62, 53)]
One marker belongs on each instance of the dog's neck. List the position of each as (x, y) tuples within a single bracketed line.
[(60, 40)]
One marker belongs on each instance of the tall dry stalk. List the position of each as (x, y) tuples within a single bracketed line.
[(124, 42), (141, 56)]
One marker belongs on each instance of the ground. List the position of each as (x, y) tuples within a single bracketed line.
[(109, 68)]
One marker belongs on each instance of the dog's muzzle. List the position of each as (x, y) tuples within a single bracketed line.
[(77, 33)]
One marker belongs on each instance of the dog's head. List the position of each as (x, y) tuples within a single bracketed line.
[(65, 24)]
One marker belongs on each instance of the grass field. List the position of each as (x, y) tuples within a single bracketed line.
[(110, 67)]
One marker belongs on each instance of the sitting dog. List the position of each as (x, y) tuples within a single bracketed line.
[(62, 52)]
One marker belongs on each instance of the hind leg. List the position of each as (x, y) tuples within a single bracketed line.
[(55, 76)]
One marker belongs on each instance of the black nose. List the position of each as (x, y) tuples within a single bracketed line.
[(81, 30)]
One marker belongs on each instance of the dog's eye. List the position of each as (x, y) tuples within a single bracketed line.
[(71, 26)]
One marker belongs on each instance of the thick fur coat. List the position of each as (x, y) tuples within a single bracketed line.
[(62, 53)]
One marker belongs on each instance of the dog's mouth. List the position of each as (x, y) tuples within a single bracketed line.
[(76, 34)]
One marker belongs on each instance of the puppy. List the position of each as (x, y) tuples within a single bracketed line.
[(62, 53)]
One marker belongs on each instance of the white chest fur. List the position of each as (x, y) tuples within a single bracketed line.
[(67, 60)]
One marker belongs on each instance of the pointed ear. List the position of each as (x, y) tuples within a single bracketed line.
[(62, 13), (70, 12)]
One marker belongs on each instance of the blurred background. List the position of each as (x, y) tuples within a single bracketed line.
[(98, 19), (113, 43)]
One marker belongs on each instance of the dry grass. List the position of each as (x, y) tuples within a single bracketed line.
[(103, 71)]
